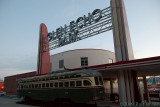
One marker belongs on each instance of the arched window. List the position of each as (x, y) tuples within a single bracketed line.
[(86, 83)]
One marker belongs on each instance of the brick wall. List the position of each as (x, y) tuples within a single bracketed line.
[(10, 83)]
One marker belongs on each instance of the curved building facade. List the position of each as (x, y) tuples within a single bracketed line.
[(81, 58)]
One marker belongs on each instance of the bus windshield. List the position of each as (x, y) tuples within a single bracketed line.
[(98, 80)]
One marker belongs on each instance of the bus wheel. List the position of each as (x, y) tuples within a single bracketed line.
[(62, 102), (27, 100)]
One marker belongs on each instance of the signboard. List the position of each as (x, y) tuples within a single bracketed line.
[(85, 26)]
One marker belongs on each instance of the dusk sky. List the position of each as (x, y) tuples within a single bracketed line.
[(20, 20)]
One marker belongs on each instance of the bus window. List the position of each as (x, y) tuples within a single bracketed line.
[(52, 78), (43, 85), (67, 76), (78, 75), (72, 76), (60, 84), (60, 77), (29, 86), (66, 84), (47, 85), (96, 80), (32, 85), (72, 83), (36, 85), (100, 80), (78, 83), (47, 79), (56, 84), (39, 86), (86, 83), (51, 84)]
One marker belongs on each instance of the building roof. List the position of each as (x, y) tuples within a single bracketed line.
[(146, 66), (82, 50)]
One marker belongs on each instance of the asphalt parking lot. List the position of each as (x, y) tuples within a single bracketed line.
[(13, 101), (10, 101)]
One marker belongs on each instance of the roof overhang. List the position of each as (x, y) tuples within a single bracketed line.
[(146, 66)]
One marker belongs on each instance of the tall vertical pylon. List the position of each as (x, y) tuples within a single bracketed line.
[(127, 82), (43, 63)]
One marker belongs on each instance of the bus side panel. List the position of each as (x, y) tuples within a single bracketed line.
[(77, 95)]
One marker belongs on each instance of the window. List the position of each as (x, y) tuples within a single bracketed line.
[(47, 85), (43, 85), (86, 83), (110, 60), (61, 63), (66, 84), (72, 76), (67, 76), (100, 80), (60, 84), (47, 79), (84, 61), (78, 83), (56, 84), (51, 84), (60, 77), (32, 85), (52, 78), (96, 80), (72, 83), (78, 75), (36, 85), (39, 86)]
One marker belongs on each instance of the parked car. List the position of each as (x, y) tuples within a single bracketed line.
[(2, 93)]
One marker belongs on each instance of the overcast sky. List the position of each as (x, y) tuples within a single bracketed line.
[(20, 20)]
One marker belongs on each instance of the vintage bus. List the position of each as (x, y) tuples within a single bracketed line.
[(80, 86)]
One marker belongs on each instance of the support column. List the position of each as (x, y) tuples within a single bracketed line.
[(146, 95), (123, 52), (111, 86)]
